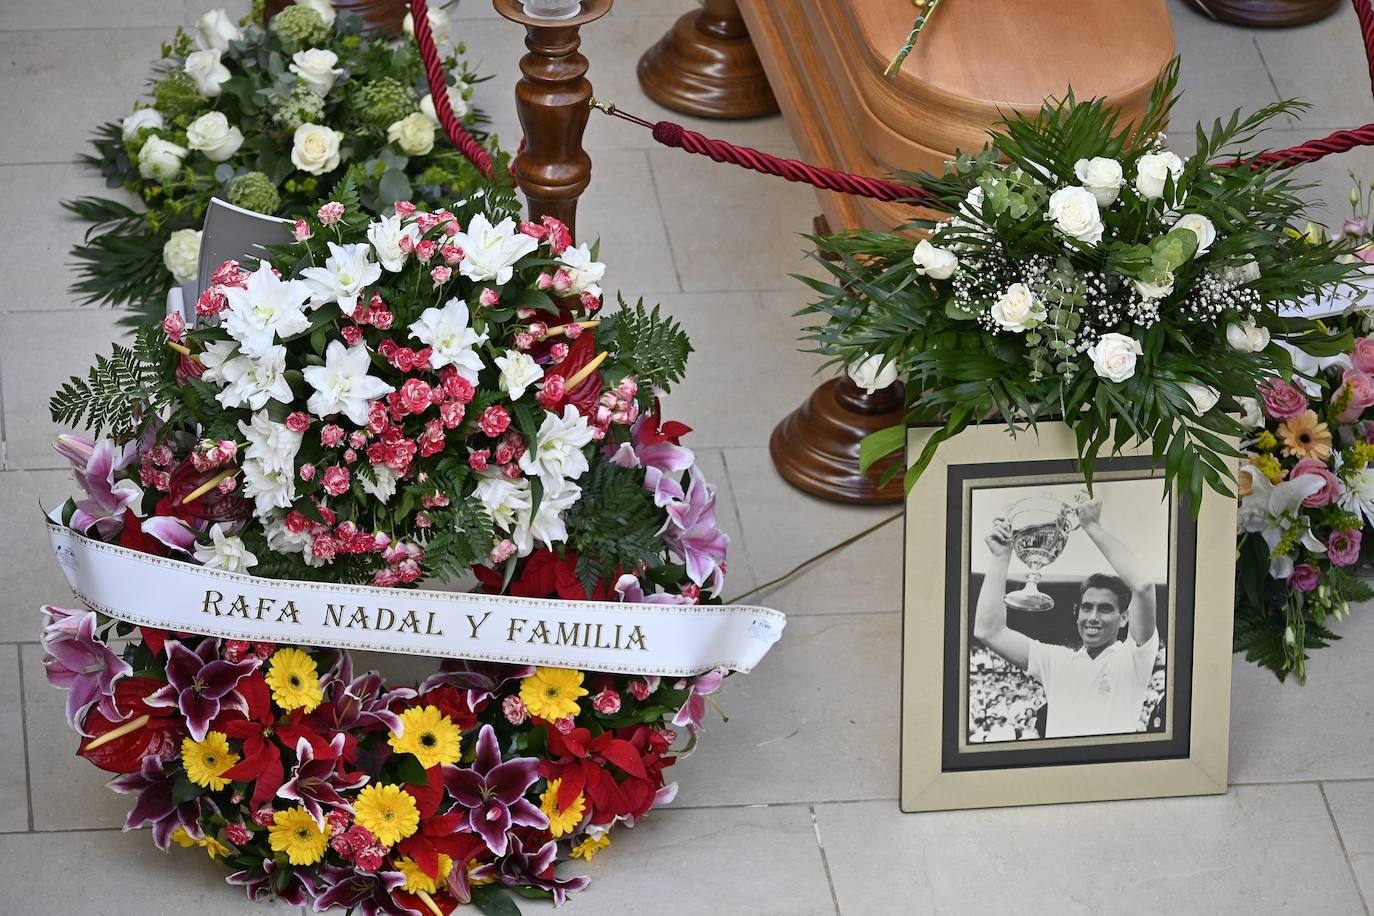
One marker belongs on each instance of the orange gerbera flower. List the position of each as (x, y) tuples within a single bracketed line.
[(1305, 437)]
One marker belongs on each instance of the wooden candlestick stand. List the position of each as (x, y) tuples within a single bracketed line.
[(380, 17), (707, 66), (1269, 13), (552, 99)]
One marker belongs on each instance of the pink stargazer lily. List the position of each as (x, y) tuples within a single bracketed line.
[(318, 779), (691, 531), (631, 592), (200, 684), (82, 664), (95, 465), (493, 792), (693, 712), (650, 447)]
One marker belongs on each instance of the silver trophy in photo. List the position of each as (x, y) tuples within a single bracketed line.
[(1040, 527)]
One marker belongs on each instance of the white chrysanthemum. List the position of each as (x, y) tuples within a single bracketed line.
[(271, 443)]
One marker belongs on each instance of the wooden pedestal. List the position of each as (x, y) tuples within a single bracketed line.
[(380, 17), (1269, 13), (816, 447), (707, 66)]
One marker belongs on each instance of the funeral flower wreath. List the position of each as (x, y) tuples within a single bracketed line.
[(267, 118), (390, 399)]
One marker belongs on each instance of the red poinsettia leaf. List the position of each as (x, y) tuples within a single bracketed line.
[(462, 848), (537, 577), (154, 638), (269, 781), (566, 584), (623, 754), (442, 825), (491, 579), (673, 430), (292, 731), (428, 796), (420, 848), (573, 782), (258, 696), (132, 537)]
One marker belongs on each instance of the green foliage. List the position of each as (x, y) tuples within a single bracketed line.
[(461, 537), (121, 392), (614, 525), (646, 344), (119, 261), (176, 94)]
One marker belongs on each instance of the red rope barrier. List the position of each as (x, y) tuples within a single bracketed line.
[(438, 89)]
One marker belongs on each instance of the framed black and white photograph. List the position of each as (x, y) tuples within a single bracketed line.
[(1057, 642)]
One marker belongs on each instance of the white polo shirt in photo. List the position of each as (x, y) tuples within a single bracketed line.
[(1093, 696)]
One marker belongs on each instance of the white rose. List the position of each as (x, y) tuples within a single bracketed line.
[(215, 30), (315, 149), (1102, 177), (1075, 214), (145, 117), (414, 134), (973, 202), (936, 263), (181, 254), (438, 25), (455, 101), (1251, 416), (1152, 170), (870, 374), (316, 69), (160, 159), (324, 7), (1201, 227), (211, 134), (1114, 356), (1154, 290), (1247, 337), (205, 68), (1017, 308), (1204, 397)]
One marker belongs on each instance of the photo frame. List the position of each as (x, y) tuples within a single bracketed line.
[(1053, 717)]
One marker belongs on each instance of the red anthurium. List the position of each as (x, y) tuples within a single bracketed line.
[(588, 391), (160, 736)]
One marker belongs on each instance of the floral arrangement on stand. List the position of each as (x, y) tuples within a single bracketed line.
[(267, 119), (1090, 273), (388, 400)]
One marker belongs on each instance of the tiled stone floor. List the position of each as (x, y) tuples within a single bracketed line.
[(790, 808)]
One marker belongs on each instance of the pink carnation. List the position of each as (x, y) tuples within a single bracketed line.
[(559, 238), (1282, 400), (307, 472), (404, 208), (352, 334), (298, 421), (174, 325), (494, 420), (489, 297), (331, 213), (639, 689), (237, 833), (513, 708), (441, 275), (335, 480), (331, 435), (477, 459), (607, 702), (301, 230), (502, 552)]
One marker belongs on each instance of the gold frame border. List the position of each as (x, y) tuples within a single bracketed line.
[(925, 786)]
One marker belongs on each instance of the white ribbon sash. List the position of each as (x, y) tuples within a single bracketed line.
[(648, 639)]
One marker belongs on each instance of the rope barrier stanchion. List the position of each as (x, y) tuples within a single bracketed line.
[(438, 90)]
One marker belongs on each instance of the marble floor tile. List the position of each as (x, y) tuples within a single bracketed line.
[(1257, 850), (816, 721), (784, 526), (31, 576), (1328, 199), (107, 873), (746, 371), (39, 351), (1222, 70), (97, 73), (757, 861), (14, 785), (1352, 808), (1323, 729), (1323, 64), (36, 239), (621, 210), (864, 576), (68, 793), (83, 14)]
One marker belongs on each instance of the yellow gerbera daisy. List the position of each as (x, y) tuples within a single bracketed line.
[(213, 847), (388, 811), (428, 734), (1304, 437), (551, 693), (295, 833), (417, 881), (294, 680), (590, 846), (206, 761), (561, 820)]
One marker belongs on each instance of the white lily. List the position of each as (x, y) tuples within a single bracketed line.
[(490, 252), (557, 455), (272, 444), (269, 488), (518, 372), (547, 525), (453, 342), (385, 235), (342, 384), (503, 499), (1272, 510), (583, 273), (225, 551), (256, 381), (265, 308), (346, 273)]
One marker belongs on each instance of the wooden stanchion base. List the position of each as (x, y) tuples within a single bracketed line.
[(1270, 13), (706, 66), (816, 447)]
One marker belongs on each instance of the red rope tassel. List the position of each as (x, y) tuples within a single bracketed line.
[(438, 89)]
